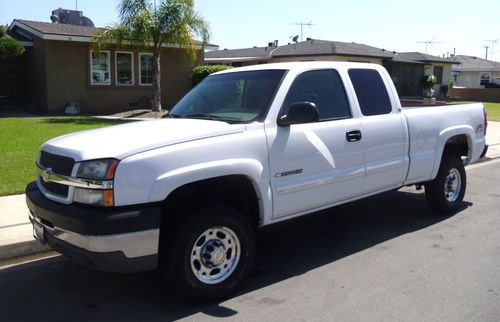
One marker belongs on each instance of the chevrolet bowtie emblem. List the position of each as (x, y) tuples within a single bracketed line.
[(46, 174)]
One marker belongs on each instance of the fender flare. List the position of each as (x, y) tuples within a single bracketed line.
[(444, 136), (168, 182)]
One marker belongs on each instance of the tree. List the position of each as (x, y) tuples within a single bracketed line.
[(143, 23), (9, 47)]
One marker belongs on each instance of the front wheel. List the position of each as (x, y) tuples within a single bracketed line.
[(446, 192), (210, 253)]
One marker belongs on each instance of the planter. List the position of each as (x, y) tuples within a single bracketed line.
[(429, 92)]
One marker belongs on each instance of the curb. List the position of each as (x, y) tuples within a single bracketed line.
[(23, 248)]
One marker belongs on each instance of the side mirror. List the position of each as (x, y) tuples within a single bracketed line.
[(298, 113)]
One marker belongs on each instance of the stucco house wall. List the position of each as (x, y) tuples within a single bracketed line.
[(67, 77)]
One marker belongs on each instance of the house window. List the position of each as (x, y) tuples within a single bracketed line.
[(438, 72), (99, 68), (485, 79), (145, 68), (124, 66)]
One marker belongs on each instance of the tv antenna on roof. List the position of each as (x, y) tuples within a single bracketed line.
[(302, 24), (429, 42), (493, 42)]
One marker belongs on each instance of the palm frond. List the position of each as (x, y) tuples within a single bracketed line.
[(131, 8)]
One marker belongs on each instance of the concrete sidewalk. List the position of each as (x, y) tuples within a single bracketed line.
[(16, 232)]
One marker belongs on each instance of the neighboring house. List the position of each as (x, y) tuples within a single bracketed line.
[(60, 66), (474, 72), (312, 49), (440, 67), (406, 69)]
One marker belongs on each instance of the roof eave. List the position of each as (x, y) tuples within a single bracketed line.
[(332, 54), (79, 38), (236, 59)]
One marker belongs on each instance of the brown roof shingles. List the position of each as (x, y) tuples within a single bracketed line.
[(59, 28), (48, 28)]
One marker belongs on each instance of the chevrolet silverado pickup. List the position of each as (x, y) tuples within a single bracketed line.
[(246, 148)]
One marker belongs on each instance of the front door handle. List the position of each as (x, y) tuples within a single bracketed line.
[(353, 136)]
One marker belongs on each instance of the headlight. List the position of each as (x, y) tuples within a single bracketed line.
[(97, 169), (94, 197), (102, 170)]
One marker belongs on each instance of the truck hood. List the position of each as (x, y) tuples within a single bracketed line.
[(121, 141)]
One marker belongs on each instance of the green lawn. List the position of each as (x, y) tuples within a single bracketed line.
[(493, 109), (20, 141)]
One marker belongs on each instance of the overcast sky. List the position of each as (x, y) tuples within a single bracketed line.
[(464, 26)]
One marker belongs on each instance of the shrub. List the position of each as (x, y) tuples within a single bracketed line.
[(200, 72), (444, 90), (429, 81), (9, 47), (492, 85)]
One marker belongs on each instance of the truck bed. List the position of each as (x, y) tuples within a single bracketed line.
[(430, 127)]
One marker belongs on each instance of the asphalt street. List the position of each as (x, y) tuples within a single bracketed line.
[(387, 257)]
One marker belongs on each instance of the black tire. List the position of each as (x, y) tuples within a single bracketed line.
[(438, 192), (179, 262)]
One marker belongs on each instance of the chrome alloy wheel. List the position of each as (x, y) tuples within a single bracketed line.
[(215, 255), (452, 185)]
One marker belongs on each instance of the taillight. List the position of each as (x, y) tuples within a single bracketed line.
[(485, 120)]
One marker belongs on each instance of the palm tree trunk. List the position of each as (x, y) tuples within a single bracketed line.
[(156, 101)]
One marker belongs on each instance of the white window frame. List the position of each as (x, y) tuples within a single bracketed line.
[(91, 68), (140, 71), (131, 67)]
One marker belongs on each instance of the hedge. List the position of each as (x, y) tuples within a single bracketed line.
[(200, 72)]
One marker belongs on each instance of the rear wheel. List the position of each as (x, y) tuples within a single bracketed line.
[(210, 253), (446, 192)]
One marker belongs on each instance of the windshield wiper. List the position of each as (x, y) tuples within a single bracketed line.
[(172, 116), (204, 116)]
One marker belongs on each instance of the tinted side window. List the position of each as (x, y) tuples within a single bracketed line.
[(323, 88), (371, 91)]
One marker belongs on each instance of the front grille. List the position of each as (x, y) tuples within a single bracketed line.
[(58, 164), (55, 188)]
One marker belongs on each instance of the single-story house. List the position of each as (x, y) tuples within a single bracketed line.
[(438, 66), (406, 69), (312, 49), (474, 72), (60, 66)]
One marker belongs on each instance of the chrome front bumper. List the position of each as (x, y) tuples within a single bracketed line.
[(115, 239), (135, 244)]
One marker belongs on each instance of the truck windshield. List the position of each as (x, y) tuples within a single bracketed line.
[(233, 97)]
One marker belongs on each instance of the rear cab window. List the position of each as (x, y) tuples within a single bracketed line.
[(371, 91)]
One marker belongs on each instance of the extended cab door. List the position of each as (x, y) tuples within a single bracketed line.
[(383, 129), (320, 163)]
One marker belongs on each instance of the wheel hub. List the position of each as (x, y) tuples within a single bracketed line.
[(452, 185), (215, 255)]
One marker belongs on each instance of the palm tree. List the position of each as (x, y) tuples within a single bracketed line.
[(144, 23)]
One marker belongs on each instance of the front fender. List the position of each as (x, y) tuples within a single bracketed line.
[(168, 182), (252, 169)]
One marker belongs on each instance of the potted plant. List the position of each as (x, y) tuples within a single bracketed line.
[(428, 83)]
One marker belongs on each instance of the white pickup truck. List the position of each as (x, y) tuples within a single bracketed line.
[(246, 148)]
